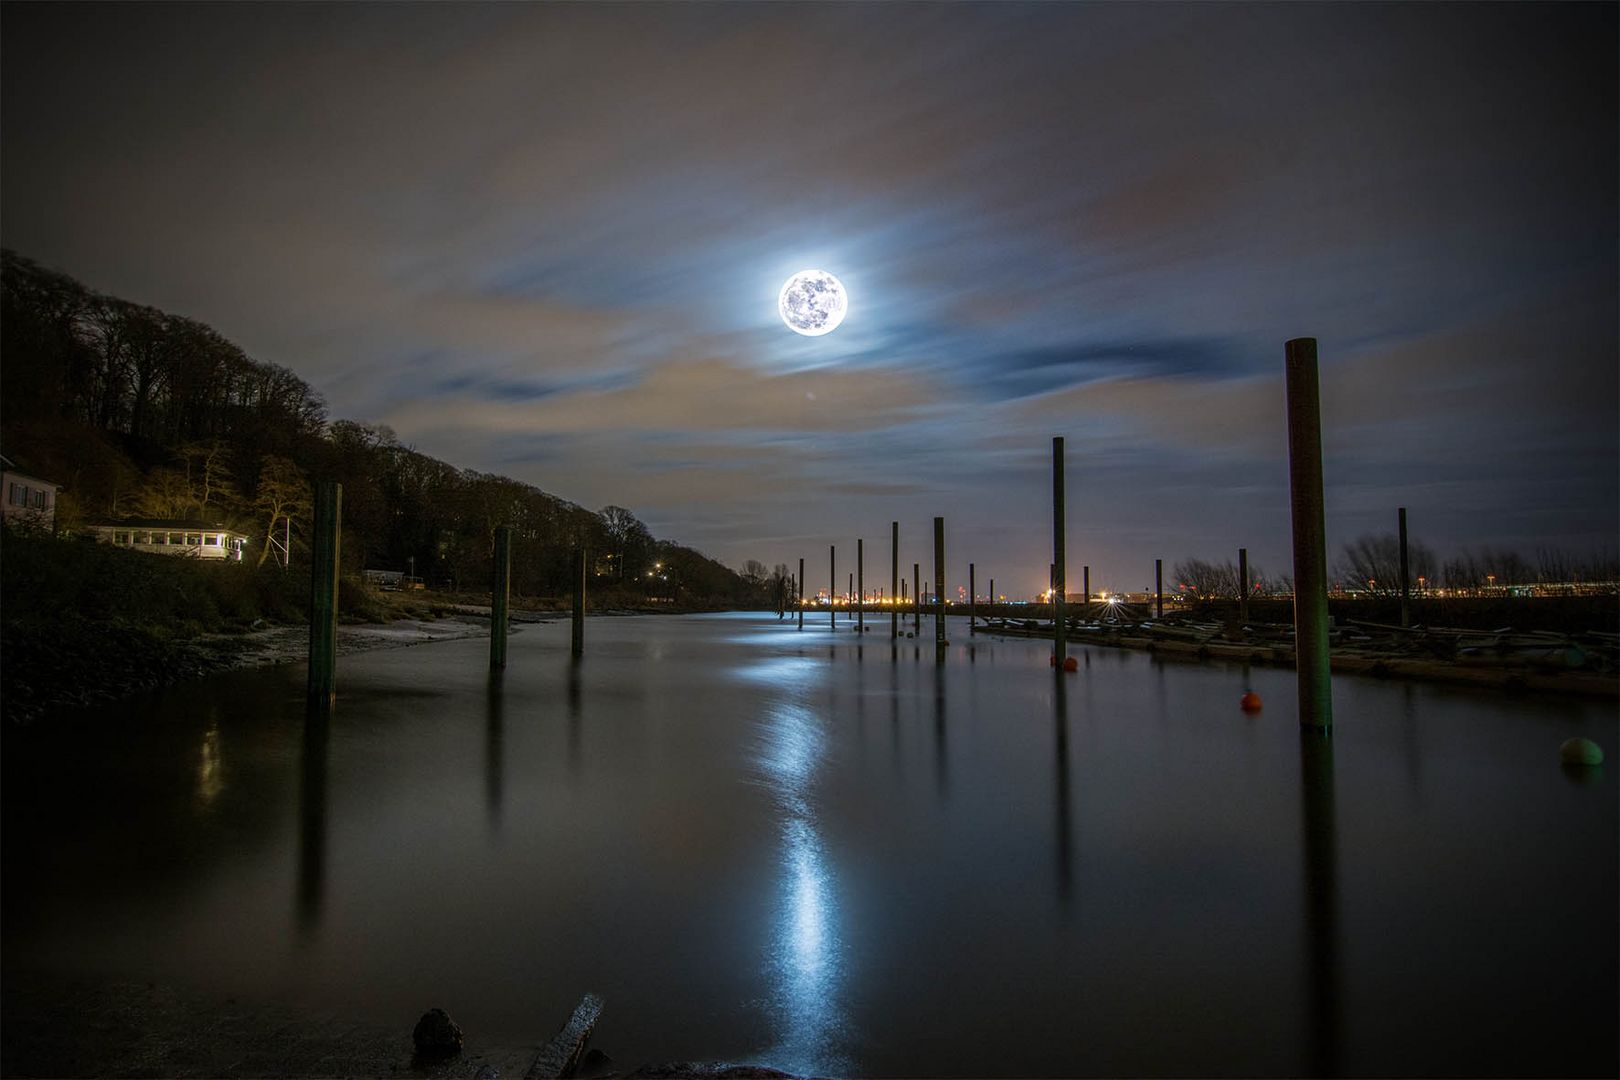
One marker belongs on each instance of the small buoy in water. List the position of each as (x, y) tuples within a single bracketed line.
[(1071, 664), (1250, 701), (1580, 752)]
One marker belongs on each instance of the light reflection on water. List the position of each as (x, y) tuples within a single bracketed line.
[(806, 960)]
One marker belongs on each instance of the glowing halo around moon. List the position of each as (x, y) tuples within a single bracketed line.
[(813, 303)]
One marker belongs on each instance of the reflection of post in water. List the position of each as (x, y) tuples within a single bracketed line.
[(574, 711), (1065, 867), (312, 819), (894, 719), (1321, 899), (495, 703), (939, 727)]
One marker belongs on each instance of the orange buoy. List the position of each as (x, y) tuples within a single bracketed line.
[(1250, 701), (1071, 664)]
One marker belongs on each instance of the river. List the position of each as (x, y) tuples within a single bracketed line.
[(832, 855)]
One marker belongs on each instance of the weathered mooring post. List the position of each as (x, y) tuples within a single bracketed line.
[(323, 594), (973, 601), (939, 589), (578, 643), (1060, 629), (860, 586), (1243, 584), (1085, 583), (499, 599), (1158, 588), (1310, 535), (1406, 580), (801, 594), (916, 598), (992, 592), (832, 588), (894, 579)]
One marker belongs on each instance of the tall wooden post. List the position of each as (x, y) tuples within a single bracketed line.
[(1406, 579), (1060, 629), (1310, 535), (801, 594), (323, 594), (1086, 583), (894, 579), (1243, 584), (499, 598), (939, 588), (916, 598), (992, 591), (578, 644), (973, 601), (860, 585), (1158, 588), (832, 587)]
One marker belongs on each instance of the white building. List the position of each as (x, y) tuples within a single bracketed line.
[(26, 500), (197, 539)]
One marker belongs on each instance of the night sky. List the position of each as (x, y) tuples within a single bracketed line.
[(547, 242)]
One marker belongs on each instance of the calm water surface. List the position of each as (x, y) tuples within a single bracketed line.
[(833, 855)]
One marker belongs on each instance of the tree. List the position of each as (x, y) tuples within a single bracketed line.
[(282, 494), (1373, 563), (630, 543), (208, 475)]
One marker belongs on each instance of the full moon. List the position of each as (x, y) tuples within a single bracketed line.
[(812, 303)]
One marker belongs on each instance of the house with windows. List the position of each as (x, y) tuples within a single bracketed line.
[(26, 500), (194, 539)]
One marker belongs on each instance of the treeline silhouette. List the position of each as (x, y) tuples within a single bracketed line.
[(145, 414)]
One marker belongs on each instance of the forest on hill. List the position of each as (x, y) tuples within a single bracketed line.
[(140, 413)]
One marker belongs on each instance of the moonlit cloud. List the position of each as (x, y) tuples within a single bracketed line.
[(546, 241)]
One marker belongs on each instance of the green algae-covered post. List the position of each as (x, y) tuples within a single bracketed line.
[(500, 597), (579, 603), (939, 588), (323, 594), (1311, 659), (1060, 630)]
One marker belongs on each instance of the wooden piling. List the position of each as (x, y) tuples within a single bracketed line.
[(992, 591), (894, 579), (1158, 588), (1243, 584), (939, 588), (500, 598), (1086, 583), (801, 594), (323, 598), (1311, 619), (832, 588), (1060, 629), (1406, 580), (578, 643), (973, 600), (860, 586), (916, 597)]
